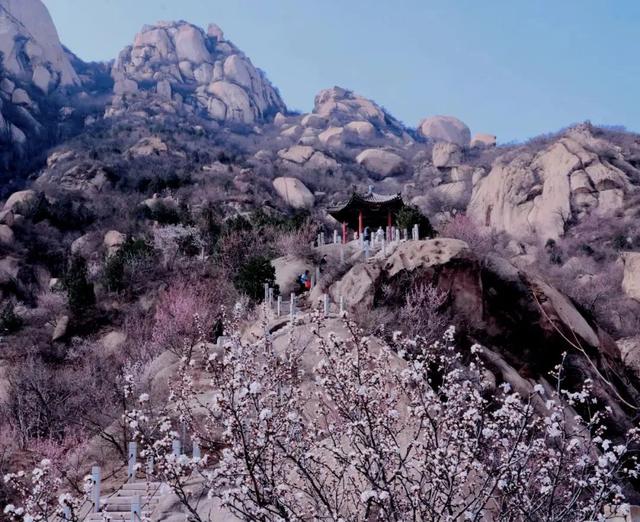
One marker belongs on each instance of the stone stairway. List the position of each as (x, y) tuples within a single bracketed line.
[(118, 506)]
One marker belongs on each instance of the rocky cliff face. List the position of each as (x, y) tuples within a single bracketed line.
[(540, 193), (342, 107), (30, 46), (38, 83), (194, 71)]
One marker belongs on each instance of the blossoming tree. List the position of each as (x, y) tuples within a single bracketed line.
[(374, 432)]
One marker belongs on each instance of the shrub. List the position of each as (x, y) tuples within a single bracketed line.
[(208, 222), (172, 240), (234, 248), (236, 224), (190, 245), (423, 312), (253, 275), (162, 213), (297, 242), (622, 242), (260, 219), (461, 227), (133, 257), (68, 214), (408, 216), (9, 321), (554, 251), (80, 292), (174, 319)]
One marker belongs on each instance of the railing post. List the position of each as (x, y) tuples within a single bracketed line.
[(317, 275), (196, 450), (270, 298), (335, 237), (417, 232), (133, 456), (135, 509), (279, 306), (95, 493), (325, 304), (292, 307), (266, 292), (176, 447), (366, 249)]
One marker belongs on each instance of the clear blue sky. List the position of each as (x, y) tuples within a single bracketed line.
[(513, 68)]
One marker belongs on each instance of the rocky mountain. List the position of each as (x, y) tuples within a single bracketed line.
[(42, 98), (176, 176), (30, 46), (193, 71)]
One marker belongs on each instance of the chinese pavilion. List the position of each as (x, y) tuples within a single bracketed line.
[(367, 210)]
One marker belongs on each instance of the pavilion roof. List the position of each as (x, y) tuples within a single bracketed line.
[(375, 207), (369, 199)]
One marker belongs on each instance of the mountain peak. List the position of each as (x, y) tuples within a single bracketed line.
[(344, 106), (30, 46), (193, 71)]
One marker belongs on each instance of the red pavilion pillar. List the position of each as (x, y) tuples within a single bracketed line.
[(360, 223), (389, 225), (344, 233)]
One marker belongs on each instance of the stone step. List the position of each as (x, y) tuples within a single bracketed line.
[(114, 515), (129, 493), (136, 486), (121, 507), (128, 500)]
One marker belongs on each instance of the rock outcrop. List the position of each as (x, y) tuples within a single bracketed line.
[(60, 328), (113, 240), (382, 163), (445, 128), (630, 351), (483, 140), (513, 313), (30, 48), (37, 83), (178, 63), (358, 285), (631, 278), (6, 236), (299, 154), (294, 192), (446, 155), (22, 202), (529, 193), (149, 146), (341, 106)]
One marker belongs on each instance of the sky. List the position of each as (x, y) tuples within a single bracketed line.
[(513, 68)]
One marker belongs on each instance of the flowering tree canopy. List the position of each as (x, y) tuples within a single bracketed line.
[(374, 432)]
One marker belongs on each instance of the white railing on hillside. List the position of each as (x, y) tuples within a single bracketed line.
[(392, 234)]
